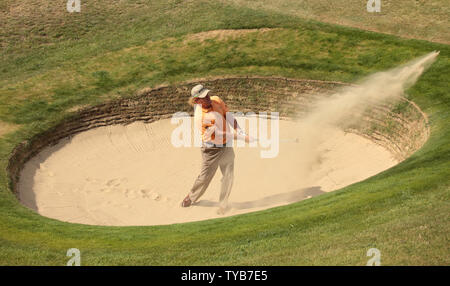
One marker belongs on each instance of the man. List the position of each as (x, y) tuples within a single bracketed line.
[(210, 116)]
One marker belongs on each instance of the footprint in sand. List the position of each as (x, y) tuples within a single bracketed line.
[(144, 193), (113, 183), (105, 190), (155, 196), (93, 181), (131, 194)]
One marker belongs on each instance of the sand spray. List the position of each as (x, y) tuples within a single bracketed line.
[(346, 106)]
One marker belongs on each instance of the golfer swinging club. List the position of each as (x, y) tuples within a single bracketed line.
[(212, 118)]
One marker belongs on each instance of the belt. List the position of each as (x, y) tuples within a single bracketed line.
[(212, 145)]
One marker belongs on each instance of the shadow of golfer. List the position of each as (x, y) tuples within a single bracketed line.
[(289, 197)]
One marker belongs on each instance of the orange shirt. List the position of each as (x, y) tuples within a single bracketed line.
[(211, 117)]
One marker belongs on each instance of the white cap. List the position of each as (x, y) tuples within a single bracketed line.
[(199, 91)]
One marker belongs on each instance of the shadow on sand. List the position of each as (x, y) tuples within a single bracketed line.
[(289, 197)]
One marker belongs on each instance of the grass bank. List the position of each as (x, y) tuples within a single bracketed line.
[(114, 50)]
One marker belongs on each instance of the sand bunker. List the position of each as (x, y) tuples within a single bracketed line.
[(132, 175)]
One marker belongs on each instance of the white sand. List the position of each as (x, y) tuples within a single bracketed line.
[(131, 175)]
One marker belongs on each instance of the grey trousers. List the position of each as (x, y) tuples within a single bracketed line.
[(212, 158)]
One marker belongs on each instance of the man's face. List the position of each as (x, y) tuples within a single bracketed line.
[(205, 102)]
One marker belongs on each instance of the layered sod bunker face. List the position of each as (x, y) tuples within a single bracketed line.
[(114, 164)]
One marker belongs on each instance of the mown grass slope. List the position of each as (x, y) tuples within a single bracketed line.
[(420, 19), (113, 48)]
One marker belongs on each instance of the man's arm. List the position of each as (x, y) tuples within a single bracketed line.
[(232, 121), (228, 115), (219, 132)]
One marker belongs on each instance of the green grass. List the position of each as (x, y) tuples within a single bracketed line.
[(426, 20), (114, 48)]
